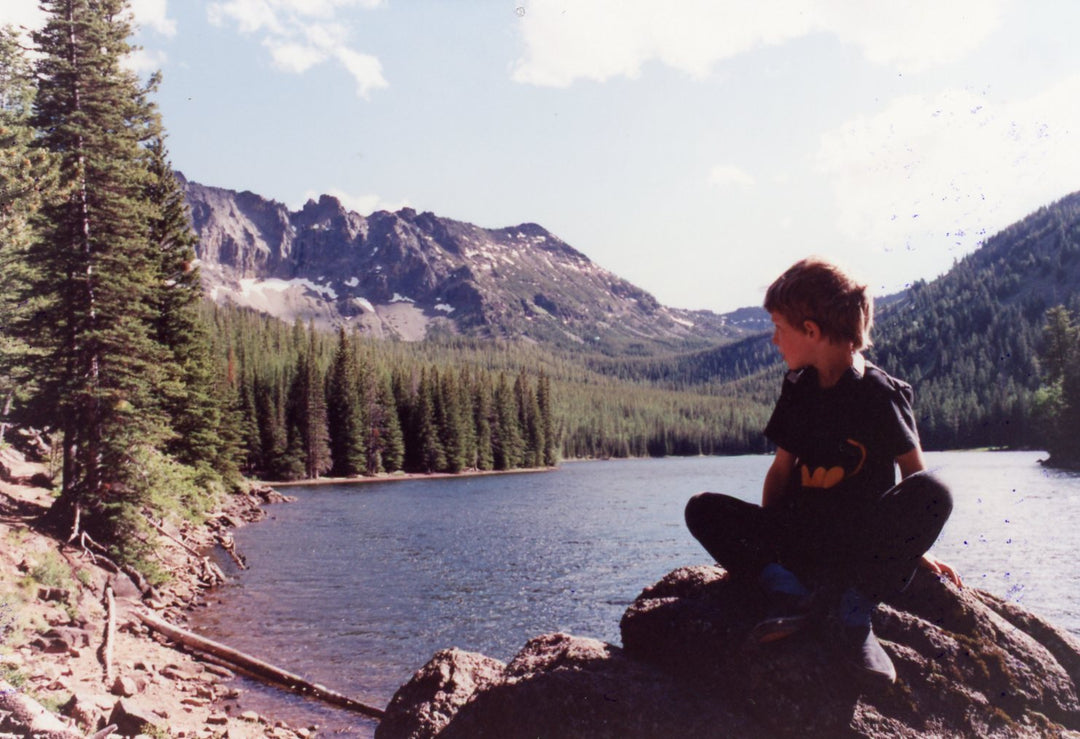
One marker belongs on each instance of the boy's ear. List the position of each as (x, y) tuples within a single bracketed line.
[(811, 329)]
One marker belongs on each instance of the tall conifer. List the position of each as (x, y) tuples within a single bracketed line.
[(390, 444), (345, 412), (96, 265), (197, 406), (309, 438), (26, 177)]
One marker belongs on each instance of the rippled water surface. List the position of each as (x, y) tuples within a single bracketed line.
[(356, 586)]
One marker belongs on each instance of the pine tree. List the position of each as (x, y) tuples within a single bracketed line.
[(506, 438), (197, 407), (309, 438), (385, 423), (345, 411), (431, 456), (483, 414), (96, 267), (549, 456), (26, 177), (528, 421), (451, 417), (270, 420)]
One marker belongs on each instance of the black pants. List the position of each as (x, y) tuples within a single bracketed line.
[(874, 545)]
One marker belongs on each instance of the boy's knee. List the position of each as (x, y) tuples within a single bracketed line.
[(930, 494), (692, 513)]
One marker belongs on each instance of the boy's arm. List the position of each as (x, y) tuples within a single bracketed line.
[(910, 463), (778, 477)]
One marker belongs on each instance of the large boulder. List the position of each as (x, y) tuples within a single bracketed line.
[(968, 664)]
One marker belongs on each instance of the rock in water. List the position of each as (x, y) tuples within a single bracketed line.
[(969, 664)]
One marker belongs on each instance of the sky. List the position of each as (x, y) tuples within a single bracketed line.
[(696, 148)]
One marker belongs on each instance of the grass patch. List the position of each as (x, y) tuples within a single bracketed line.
[(51, 570)]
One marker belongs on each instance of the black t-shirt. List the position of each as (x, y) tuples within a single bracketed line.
[(846, 437)]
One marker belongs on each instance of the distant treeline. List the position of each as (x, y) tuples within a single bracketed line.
[(445, 406), (309, 404)]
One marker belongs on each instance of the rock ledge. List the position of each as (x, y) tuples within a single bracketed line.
[(969, 664)]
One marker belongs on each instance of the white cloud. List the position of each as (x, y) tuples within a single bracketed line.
[(365, 69), (149, 14), (949, 170), (302, 34), (365, 204), (566, 40), (144, 61), (728, 175), (21, 13), (293, 57), (250, 16), (152, 14)]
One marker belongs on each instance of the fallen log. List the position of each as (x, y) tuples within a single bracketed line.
[(32, 717), (109, 638), (255, 667)]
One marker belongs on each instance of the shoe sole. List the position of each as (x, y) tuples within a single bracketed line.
[(776, 629)]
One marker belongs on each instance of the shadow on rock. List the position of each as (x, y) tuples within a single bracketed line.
[(969, 664)]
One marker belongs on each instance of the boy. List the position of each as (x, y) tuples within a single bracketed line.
[(834, 532)]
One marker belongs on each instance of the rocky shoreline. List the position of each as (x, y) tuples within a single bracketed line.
[(74, 658)]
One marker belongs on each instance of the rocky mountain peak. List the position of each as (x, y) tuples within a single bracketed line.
[(406, 274)]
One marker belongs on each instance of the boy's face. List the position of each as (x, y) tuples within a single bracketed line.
[(796, 344)]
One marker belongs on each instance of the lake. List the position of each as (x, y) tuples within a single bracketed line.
[(356, 586)]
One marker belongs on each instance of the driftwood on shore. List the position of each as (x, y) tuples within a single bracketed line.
[(255, 667)]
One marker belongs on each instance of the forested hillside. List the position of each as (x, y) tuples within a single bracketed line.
[(969, 341)]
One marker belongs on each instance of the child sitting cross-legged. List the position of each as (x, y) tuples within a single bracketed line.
[(834, 533)]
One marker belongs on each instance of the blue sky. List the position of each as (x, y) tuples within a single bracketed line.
[(694, 147)]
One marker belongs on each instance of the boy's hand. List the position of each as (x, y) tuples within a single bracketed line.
[(942, 569)]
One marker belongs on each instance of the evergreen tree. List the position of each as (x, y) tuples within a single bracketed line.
[(26, 177), (346, 411), (483, 413), (549, 455), (96, 268), (507, 444), (386, 447), (451, 420), (431, 456), (198, 407), (1058, 400), (309, 439), (465, 421), (529, 421), (270, 420)]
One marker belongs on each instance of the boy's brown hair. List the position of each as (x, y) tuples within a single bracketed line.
[(815, 290)]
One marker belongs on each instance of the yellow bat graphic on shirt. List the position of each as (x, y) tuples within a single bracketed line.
[(826, 478)]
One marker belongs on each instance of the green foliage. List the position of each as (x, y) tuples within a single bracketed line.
[(27, 179), (1057, 402), (51, 570), (96, 271)]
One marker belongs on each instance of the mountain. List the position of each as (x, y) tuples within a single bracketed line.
[(409, 275)]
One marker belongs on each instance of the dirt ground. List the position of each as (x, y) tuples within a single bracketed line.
[(53, 643)]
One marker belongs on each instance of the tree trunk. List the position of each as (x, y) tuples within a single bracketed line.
[(254, 666)]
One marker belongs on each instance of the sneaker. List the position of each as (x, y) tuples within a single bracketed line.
[(785, 616), (864, 653)]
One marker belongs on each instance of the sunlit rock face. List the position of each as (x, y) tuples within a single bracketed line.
[(407, 274)]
